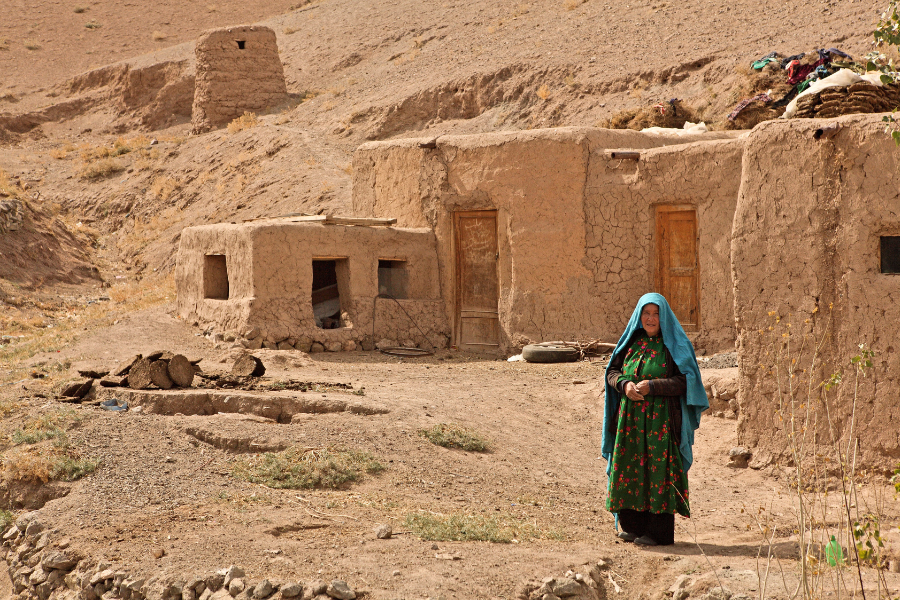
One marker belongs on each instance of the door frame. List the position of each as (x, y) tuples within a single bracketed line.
[(457, 272), (659, 267)]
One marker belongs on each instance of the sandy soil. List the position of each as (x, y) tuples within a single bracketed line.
[(161, 487)]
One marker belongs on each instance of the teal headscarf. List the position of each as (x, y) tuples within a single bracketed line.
[(694, 400)]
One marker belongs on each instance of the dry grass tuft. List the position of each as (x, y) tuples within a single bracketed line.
[(43, 462), (543, 92), (80, 9), (7, 187), (289, 30), (163, 187), (461, 527), (32, 45), (58, 153), (571, 4), (298, 468), (245, 121), (450, 435), (51, 425), (100, 169), (93, 25), (649, 116), (159, 36)]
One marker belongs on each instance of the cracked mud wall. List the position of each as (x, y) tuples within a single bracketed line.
[(805, 260), (620, 207), (238, 69), (273, 267), (566, 270)]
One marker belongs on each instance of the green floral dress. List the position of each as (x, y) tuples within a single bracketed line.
[(647, 473)]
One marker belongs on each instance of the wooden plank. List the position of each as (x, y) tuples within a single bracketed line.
[(363, 221)]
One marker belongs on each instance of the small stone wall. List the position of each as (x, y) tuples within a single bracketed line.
[(11, 215), (41, 565), (238, 70)]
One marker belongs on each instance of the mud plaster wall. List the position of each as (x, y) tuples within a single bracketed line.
[(231, 80), (805, 259), (273, 267), (551, 189), (620, 208)]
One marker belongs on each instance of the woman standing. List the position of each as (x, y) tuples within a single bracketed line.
[(654, 399)]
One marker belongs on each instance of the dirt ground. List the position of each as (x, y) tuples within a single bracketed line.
[(160, 487)]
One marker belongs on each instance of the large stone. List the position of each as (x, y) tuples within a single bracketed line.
[(566, 587), (317, 347), (59, 560), (383, 532), (231, 573), (340, 590), (285, 345), (236, 586), (77, 388), (263, 589), (291, 590), (334, 346)]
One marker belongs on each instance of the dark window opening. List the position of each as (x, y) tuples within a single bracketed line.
[(240, 44), (890, 254), (215, 277), (326, 297), (392, 278)]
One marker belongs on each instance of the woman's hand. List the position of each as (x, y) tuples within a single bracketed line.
[(643, 387), (633, 392)]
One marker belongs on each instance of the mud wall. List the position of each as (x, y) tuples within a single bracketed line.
[(238, 69), (566, 268), (621, 197), (807, 276), (271, 274)]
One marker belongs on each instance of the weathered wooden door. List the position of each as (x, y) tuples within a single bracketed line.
[(477, 287), (677, 268)]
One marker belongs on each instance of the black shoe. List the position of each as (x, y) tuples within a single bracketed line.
[(645, 540), (625, 536)]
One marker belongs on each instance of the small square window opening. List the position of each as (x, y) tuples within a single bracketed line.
[(215, 277), (392, 278), (890, 254), (241, 44)]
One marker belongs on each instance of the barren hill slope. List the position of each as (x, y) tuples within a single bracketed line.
[(357, 71)]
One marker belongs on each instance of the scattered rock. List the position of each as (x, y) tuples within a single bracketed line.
[(263, 589), (384, 532), (291, 590), (159, 553), (317, 587), (231, 573), (739, 457), (566, 587), (236, 586), (316, 347), (59, 560), (341, 591)]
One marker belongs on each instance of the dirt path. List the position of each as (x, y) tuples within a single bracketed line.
[(161, 487)]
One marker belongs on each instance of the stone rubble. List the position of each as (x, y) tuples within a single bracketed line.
[(40, 567)]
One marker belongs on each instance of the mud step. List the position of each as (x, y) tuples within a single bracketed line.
[(278, 407)]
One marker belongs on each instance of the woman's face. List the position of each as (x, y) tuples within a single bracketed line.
[(650, 319)]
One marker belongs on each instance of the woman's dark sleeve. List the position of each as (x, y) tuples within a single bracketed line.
[(674, 385), (614, 372)]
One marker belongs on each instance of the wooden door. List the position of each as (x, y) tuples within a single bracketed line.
[(677, 267), (477, 286)]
